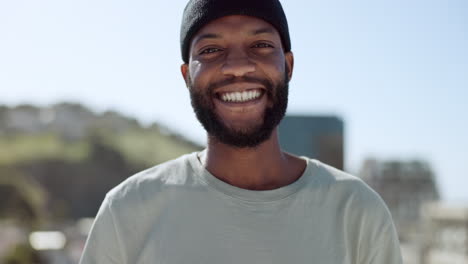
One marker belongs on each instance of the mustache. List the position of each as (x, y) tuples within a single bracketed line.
[(232, 80)]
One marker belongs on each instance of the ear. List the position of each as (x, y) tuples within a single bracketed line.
[(289, 57), (184, 71)]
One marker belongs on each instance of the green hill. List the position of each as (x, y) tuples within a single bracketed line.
[(75, 156)]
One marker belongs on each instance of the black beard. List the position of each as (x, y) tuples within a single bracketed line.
[(247, 138)]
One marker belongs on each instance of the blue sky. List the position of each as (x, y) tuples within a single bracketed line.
[(395, 71)]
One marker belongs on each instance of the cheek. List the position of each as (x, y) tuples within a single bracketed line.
[(275, 72), (275, 65), (281, 63), (281, 70), (195, 69), (202, 74)]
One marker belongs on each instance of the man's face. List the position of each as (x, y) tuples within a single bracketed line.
[(238, 78)]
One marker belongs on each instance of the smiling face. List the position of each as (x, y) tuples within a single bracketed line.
[(238, 78)]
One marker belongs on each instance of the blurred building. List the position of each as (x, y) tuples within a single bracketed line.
[(446, 229), (405, 187), (318, 137), (70, 121)]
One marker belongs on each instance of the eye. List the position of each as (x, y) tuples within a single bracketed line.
[(209, 51), (262, 45)]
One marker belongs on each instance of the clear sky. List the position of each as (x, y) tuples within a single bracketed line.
[(396, 71)]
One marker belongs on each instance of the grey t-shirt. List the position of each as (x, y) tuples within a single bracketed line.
[(178, 212)]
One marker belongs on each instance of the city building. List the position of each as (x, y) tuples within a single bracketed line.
[(319, 137), (405, 186)]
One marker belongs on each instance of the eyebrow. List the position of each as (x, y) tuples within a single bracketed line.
[(259, 31), (263, 31), (207, 36)]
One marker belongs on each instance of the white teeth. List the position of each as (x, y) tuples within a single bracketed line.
[(240, 96), (244, 96)]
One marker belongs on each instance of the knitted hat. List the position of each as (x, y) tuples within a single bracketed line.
[(198, 13)]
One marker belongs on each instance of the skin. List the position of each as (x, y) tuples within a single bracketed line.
[(242, 46)]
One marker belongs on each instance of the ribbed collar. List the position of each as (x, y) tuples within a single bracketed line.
[(251, 195)]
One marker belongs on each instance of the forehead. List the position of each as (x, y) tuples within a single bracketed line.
[(237, 25)]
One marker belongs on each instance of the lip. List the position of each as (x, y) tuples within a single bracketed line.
[(241, 107), (253, 101), (238, 87)]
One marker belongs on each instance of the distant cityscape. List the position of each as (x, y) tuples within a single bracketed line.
[(430, 231), (57, 163)]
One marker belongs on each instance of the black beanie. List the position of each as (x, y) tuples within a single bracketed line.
[(198, 13)]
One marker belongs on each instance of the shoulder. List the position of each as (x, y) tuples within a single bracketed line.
[(351, 192), (368, 220), (147, 183), (330, 177)]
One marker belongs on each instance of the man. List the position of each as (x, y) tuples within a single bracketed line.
[(242, 200)]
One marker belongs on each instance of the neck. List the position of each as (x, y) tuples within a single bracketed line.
[(264, 167)]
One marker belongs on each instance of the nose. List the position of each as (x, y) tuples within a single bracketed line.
[(238, 65)]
